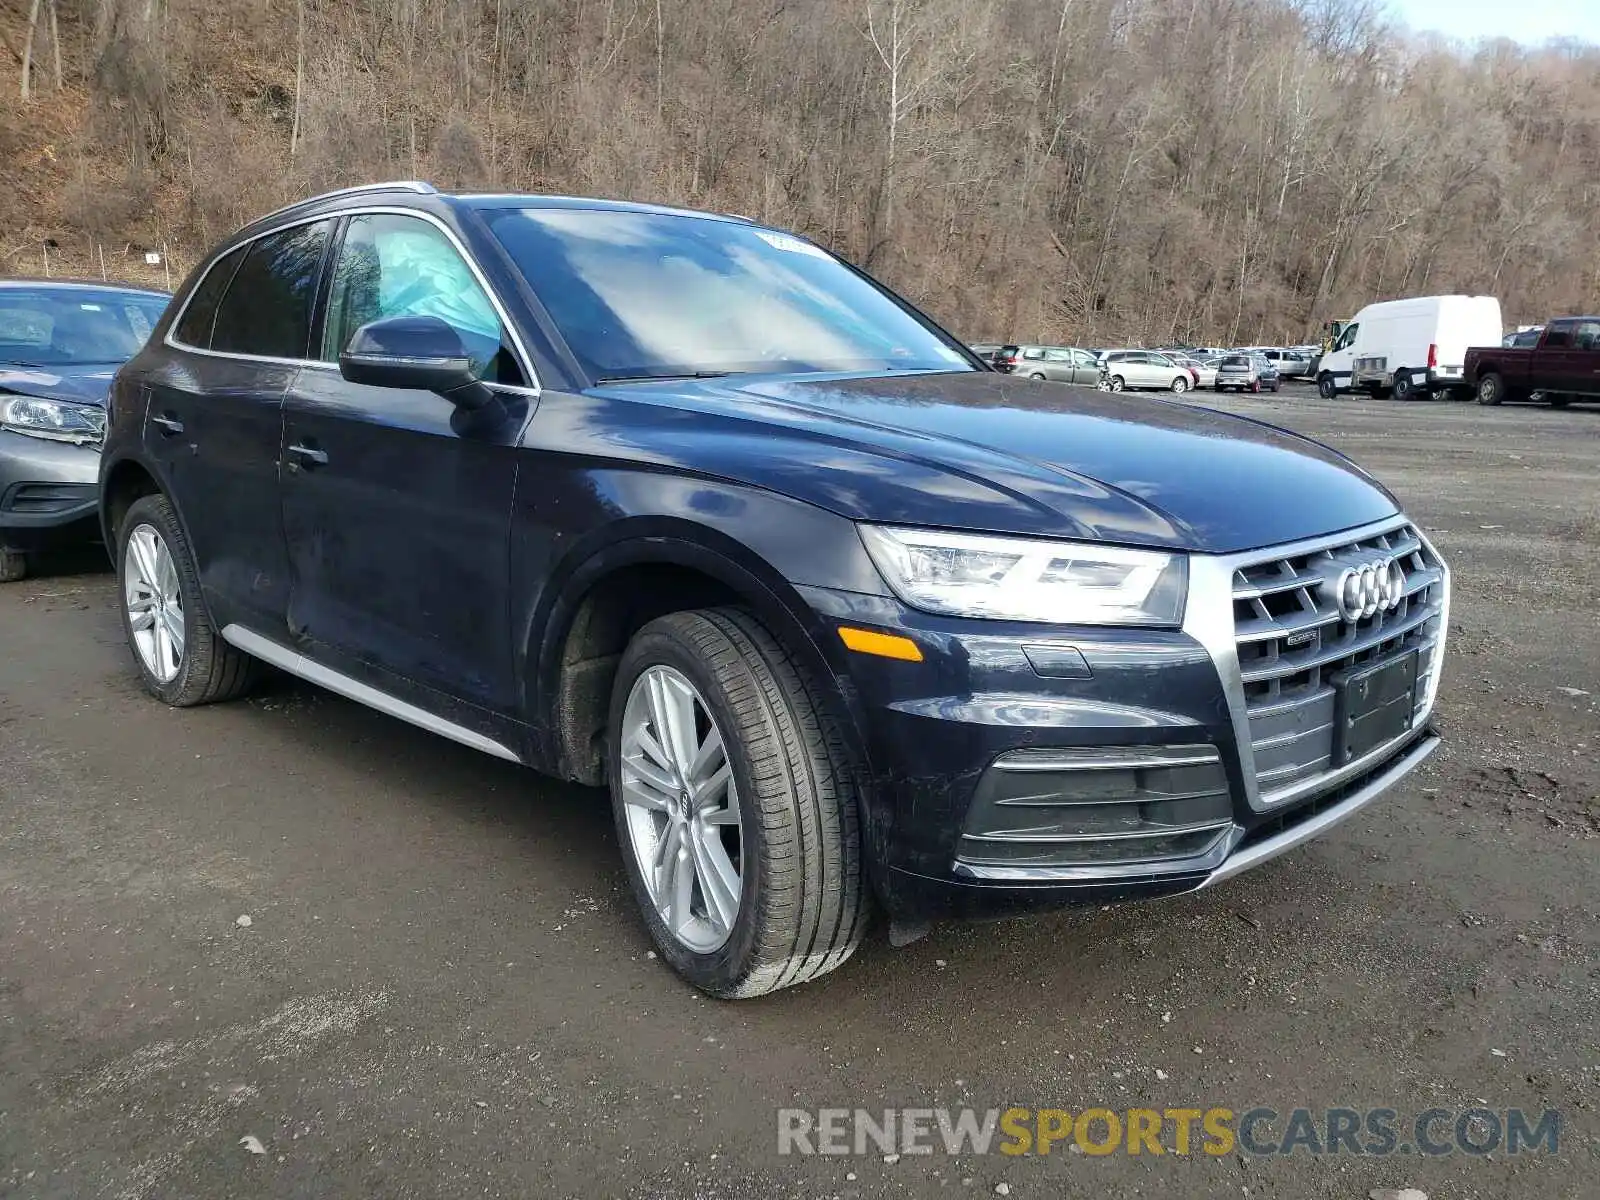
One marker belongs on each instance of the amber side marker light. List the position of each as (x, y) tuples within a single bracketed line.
[(884, 645)]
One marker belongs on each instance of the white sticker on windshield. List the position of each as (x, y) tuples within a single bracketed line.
[(90, 307), (794, 245)]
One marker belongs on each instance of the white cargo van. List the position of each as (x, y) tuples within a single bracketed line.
[(1409, 348)]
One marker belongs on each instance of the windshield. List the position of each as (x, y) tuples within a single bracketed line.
[(72, 326), (655, 295)]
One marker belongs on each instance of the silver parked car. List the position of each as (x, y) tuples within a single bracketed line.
[(1247, 373), (1121, 370), (1063, 364), (1291, 363)]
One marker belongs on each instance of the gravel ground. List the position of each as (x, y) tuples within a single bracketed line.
[(443, 992)]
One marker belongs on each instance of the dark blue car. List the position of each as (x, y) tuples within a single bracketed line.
[(60, 344), (687, 507)]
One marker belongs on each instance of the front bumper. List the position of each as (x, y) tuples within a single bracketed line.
[(49, 491), (1014, 770)]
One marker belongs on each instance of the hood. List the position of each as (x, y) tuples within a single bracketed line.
[(985, 451), (86, 384)]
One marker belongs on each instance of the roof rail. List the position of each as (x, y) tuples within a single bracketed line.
[(399, 185), (740, 217)]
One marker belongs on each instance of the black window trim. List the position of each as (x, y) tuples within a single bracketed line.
[(337, 220)]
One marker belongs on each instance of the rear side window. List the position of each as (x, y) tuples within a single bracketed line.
[(1588, 336), (267, 309), (201, 314)]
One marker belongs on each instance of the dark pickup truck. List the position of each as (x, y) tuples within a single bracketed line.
[(1563, 366)]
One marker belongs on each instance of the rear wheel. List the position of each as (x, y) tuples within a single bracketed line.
[(13, 565), (1491, 389), (736, 806), (1558, 399), (182, 659), (1036, 375), (1118, 384)]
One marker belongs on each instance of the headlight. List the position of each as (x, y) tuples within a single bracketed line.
[(57, 420), (1021, 579)]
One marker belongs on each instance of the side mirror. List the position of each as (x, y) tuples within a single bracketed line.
[(421, 353)]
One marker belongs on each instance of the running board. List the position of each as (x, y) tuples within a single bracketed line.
[(312, 671)]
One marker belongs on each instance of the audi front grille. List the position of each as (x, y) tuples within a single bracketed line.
[(1304, 620)]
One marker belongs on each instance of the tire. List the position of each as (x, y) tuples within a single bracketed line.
[(13, 565), (1327, 386), (205, 669), (1491, 389), (803, 902), (1255, 387), (1404, 388), (1180, 385), (1558, 399), (1118, 384), (1036, 375)]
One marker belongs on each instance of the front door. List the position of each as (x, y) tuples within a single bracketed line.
[(213, 418), (397, 505)]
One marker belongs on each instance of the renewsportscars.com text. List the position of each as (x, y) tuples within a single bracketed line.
[(1257, 1131)]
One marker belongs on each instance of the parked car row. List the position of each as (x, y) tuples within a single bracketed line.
[(1167, 370)]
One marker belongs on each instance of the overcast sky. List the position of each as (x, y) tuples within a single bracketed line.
[(1531, 21)]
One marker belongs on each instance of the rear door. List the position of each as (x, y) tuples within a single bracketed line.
[(1585, 377), (213, 416), (1085, 370), (397, 505)]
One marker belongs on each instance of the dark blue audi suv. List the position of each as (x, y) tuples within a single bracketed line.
[(689, 508)]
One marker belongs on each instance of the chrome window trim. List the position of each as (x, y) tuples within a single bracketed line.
[(519, 350), (1208, 618)]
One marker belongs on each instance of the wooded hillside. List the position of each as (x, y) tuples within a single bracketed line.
[(1068, 170)]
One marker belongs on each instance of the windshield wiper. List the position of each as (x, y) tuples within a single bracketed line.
[(676, 375)]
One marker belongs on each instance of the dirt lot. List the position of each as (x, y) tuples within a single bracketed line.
[(443, 991)]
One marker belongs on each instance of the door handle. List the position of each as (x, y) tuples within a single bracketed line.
[(308, 456), (170, 426)]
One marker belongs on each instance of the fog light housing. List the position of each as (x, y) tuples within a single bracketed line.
[(1161, 806)]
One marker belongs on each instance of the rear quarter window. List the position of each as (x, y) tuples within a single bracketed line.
[(194, 328)]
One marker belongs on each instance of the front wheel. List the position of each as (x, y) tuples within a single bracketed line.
[(1180, 385), (736, 806), (181, 658), (1327, 386), (1558, 399), (1491, 389)]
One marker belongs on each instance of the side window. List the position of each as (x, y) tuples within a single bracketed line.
[(1057, 356), (1347, 337), (267, 311), (392, 265), (1588, 337), (1033, 353), (201, 314), (1559, 336)]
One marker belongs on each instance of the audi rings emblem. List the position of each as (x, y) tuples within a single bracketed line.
[(1369, 588)]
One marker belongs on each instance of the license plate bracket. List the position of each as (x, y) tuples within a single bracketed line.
[(1373, 704)]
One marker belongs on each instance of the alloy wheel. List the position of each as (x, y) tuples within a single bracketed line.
[(682, 809), (154, 602)]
